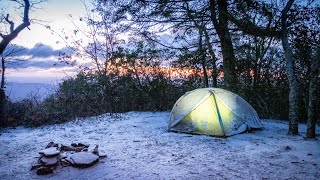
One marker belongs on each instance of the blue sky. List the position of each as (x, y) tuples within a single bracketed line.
[(41, 50), (54, 13)]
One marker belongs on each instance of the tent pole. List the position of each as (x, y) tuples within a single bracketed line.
[(218, 112)]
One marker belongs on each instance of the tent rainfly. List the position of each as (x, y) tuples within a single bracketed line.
[(214, 112)]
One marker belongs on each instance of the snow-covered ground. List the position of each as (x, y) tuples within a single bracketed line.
[(139, 147)]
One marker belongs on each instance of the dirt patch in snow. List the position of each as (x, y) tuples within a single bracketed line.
[(139, 147)]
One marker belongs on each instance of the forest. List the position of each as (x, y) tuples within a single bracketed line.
[(142, 55)]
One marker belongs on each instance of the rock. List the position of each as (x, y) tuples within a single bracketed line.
[(35, 166), (52, 151), (84, 159), (84, 145), (67, 148), (69, 160), (288, 148), (80, 148), (93, 149), (102, 154), (79, 145), (50, 144), (63, 155), (49, 161), (71, 148), (64, 163), (44, 170), (77, 154)]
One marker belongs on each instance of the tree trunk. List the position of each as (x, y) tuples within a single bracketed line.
[(205, 74), (3, 68), (293, 90), (202, 57), (225, 41), (313, 108), (6, 39), (2, 94), (256, 75), (202, 30), (213, 58)]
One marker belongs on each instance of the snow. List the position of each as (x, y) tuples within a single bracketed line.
[(139, 147), (52, 151), (51, 161), (84, 158)]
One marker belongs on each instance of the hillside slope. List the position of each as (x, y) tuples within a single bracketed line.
[(139, 146), (18, 91)]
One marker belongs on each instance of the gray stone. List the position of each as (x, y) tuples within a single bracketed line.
[(52, 151), (63, 155), (71, 148), (93, 149), (288, 148), (84, 159), (64, 163), (67, 148), (44, 170), (102, 153), (69, 159), (84, 145), (49, 161), (35, 166)]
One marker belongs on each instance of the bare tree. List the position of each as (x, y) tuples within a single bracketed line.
[(199, 22), (293, 87), (250, 27), (14, 31), (6, 39), (187, 22), (220, 22)]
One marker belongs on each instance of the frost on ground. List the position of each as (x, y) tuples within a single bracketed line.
[(139, 147)]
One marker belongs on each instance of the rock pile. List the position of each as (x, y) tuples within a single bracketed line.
[(77, 155)]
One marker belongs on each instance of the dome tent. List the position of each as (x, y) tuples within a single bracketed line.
[(212, 111)]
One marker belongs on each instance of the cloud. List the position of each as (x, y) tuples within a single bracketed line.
[(38, 51), (13, 50), (43, 51), (40, 56), (43, 64)]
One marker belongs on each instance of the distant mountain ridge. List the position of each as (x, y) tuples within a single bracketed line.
[(18, 91)]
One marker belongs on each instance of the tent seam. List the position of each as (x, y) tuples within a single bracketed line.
[(218, 113), (194, 107)]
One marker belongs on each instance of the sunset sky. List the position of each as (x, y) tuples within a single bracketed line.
[(42, 49)]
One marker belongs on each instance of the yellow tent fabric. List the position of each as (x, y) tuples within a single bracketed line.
[(212, 111)]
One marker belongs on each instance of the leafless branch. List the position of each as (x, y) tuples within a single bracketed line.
[(10, 22), (6, 39)]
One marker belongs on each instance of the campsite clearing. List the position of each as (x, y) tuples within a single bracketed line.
[(139, 146)]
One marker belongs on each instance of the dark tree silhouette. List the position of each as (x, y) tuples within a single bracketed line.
[(5, 40)]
